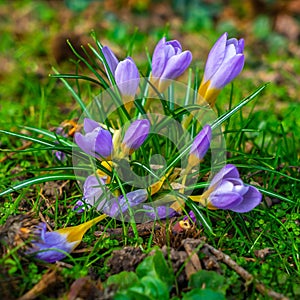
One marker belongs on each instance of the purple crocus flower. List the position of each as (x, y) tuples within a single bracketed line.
[(96, 142), (115, 207), (160, 212), (225, 61), (200, 146), (125, 72), (53, 246), (135, 136), (93, 188), (168, 62), (227, 191)]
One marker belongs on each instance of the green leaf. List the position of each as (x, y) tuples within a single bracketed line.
[(153, 287), (37, 180), (122, 280), (207, 294), (156, 267), (208, 279)]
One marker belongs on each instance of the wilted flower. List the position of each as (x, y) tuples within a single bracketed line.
[(115, 207), (227, 191), (53, 246), (225, 61), (135, 136), (160, 212), (168, 62), (96, 142), (200, 146)]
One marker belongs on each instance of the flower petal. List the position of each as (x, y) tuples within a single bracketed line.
[(159, 58), (127, 77), (226, 200), (110, 58), (103, 143), (89, 125), (159, 212), (227, 71), (215, 57), (250, 200), (136, 134), (176, 65), (229, 171)]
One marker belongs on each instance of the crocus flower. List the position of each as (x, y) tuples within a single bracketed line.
[(135, 136), (126, 75), (52, 246), (225, 61), (200, 146), (93, 189), (96, 142), (116, 207), (160, 212), (168, 62), (227, 191)]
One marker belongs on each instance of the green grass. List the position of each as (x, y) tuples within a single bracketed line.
[(262, 143)]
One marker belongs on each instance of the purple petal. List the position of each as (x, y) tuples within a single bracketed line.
[(127, 77), (191, 217), (86, 143), (176, 45), (115, 207), (79, 207), (215, 57), (89, 125), (201, 142), (93, 188), (160, 212), (159, 58), (250, 200), (229, 171), (176, 65), (227, 71), (103, 143), (136, 134), (226, 200), (110, 58), (133, 198)]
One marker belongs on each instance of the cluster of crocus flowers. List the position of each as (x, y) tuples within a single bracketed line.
[(51, 246), (99, 143), (228, 192), (225, 61)]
